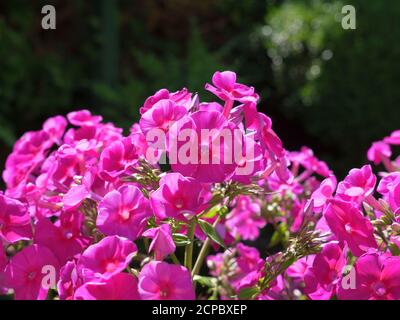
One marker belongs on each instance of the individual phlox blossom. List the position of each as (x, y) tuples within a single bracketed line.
[(28, 153), (306, 158), (298, 269), (378, 152), (31, 271), (182, 97), (210, 106), (349, 225), (215, 263), (162, 281), (83, 118), (245, 219), (394, 138), (161, 116), (64, 238), (102, 133), (358, 185), (69, 281), (90, 186), (55, 128), (202, 146), (324, 192), (323, 277), (176, 196), (122, 286), (117, 158), (60, 168), (376, 278), (123, 212), (15, 222), (162, 243), (389, 187), (248, 258), (269, 139), (249, 162), (249, 268), (106, 258), (226, 88)]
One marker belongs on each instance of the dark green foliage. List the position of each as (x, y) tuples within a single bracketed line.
[(340, 84)]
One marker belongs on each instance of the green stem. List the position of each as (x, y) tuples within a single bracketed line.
[(174, 259), (146, 244), (189, 247), (203, 252)]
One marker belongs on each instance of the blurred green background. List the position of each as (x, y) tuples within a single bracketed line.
[(332, 89)]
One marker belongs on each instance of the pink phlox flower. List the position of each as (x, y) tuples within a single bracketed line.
[(55, 128), (106, 258), (161, 116), (123, 212), (162, 243), (389, 187), (226, 88), (324, 192), (245, 219), (69, 281), (298, 269), (64, 238), (83, 118), (162, 281), (349, 225), (250, 161), (27, 156), (322, 277), (394, 138), (202, 146), (182, 97), (306, 158), (117, 159), (378, 151), (178, 195), (122, 286), (15, 222), (26, 272), (215, 263), (357, 185), (376, 278), (269, 139)]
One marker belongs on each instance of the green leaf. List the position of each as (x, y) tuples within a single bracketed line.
[(205, 281), (212, 212), (210, 231), (180, 239), (248, 293)]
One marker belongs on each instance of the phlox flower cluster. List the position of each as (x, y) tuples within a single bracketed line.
[(200, 200)]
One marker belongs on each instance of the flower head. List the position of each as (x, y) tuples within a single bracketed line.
[(162, 243), (27, 270), (15, 222), (172, 199), (122, 286), (123, 212), (322, 277), (163, 281), (349, 225), (106, 258), (376, 278)]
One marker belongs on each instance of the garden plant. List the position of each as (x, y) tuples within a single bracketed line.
[(200, 200)]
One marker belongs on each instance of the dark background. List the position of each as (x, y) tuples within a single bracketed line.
[(334, 90)]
